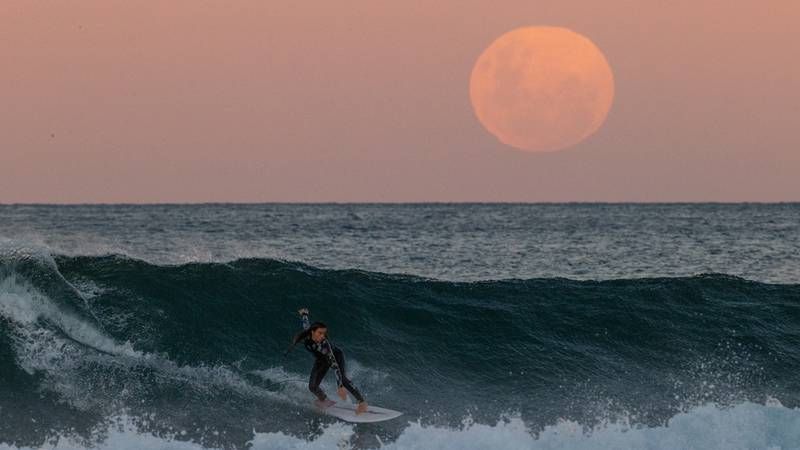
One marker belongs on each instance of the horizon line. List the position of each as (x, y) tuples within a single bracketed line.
[(300, 203)]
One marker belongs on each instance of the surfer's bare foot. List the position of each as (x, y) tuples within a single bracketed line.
[(361, 408)]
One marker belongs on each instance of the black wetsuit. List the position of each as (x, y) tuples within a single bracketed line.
[(325, 357)]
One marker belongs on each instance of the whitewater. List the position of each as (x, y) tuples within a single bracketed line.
[(491, 326)]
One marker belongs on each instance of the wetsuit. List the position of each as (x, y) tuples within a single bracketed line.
[(326, 356)]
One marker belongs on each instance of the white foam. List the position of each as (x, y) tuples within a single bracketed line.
[(36, 251), (709, 427), (120, 435), (744, 426), (24, 304), (55, 353)]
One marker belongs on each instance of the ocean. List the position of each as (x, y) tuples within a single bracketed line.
[(519, 326)]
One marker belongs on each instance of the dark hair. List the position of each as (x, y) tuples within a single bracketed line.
[(305, 334)]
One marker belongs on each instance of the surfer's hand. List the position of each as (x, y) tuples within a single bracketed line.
[(361, 408), (342, 393), (302, 311)]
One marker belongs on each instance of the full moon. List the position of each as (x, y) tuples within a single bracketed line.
[(541, 88)]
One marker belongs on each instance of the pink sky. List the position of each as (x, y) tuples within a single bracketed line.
[(198, 101)]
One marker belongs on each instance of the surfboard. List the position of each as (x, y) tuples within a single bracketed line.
[(347, 412)]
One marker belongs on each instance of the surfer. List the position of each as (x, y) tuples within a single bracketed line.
[(315, 339)]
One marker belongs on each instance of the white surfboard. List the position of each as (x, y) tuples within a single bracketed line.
[(347, 412)]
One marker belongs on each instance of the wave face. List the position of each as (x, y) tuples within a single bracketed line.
[(192, 355)]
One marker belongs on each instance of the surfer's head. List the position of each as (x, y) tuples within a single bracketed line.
[(318, 331)]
